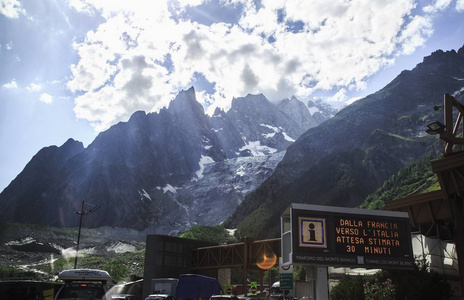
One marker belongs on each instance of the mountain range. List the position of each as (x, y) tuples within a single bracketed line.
[(165, 172), (161, 172), (343, 160)]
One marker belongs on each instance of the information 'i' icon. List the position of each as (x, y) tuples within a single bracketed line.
[(312, 232)]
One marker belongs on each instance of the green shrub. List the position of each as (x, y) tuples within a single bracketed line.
[(216, 234), (10, 273), (416, 284), (349, 288), (413, 179), (379, 290)]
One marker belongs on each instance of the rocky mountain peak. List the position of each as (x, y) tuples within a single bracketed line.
[(184, 102), (137, 116), (299, 112), (73, 146), (461, 51), (249, 102), (293, 101), (218, 112), (440, 56)]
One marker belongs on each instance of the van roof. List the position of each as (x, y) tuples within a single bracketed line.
[(84, 274), (194, 275)]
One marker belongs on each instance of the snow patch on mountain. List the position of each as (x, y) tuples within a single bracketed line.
[(214, 197), (458, 92), (145, 194), (313, 110), (269, 135), (273, 128), (287, 137), (167, 188), (21, 242), (276, 130), (204, 160), (256, 149), (240, 171)]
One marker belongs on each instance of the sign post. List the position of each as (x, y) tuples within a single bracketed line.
[(286, 281), (288, 268)]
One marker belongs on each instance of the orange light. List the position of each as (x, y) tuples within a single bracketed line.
[(267, 262)]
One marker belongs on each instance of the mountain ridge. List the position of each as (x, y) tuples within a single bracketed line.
[(140, 171), (362, 145)]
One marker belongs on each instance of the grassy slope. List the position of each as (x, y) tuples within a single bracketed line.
[(416, 178)]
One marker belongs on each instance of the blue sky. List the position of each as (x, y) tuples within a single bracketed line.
[(73, 68)]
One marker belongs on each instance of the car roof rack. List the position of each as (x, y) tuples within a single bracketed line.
[(84, 274)]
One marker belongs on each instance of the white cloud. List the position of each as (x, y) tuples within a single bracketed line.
[(415, 34), (460, 5), (46, 98), (11, 9), (137, 8), (34, 87), (9, 45), (11, 85), (93, 70), (340, 96), (81, 6), (139, 59), (438, 6)]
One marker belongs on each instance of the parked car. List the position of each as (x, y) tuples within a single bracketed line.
[(160, 297), (277, 297), (224, 297), (166, 286), (84, 284), (123, 297)]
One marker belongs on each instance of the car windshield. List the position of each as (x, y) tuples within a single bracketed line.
[(81, 293)]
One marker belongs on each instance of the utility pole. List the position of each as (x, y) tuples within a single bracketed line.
[(82, 213)]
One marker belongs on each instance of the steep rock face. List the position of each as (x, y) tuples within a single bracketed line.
[(301, 114), (189, 117), (347, 157), (228, 134), (320, 111), (147, 151), (211, 198), (254, 125), (257, 119), (29, 190)]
